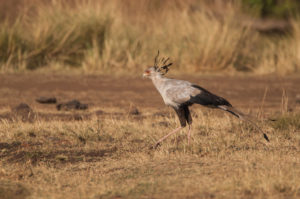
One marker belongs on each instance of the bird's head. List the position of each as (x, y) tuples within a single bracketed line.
[(161, 67), (151, 72)]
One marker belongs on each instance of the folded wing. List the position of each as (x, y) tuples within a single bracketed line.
[(187, 93)]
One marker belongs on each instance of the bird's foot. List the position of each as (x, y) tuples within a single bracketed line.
[(155, 146), (266, 137)]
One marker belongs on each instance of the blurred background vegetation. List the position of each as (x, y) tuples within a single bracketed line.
[(273, 8), (258, 36)]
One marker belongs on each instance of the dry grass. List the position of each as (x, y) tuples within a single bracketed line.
[(110, 158), (282, 56), (118, 36)]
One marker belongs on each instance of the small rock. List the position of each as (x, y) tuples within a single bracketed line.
[(46, 100), (72, 105), (23, 112), (22, 108)]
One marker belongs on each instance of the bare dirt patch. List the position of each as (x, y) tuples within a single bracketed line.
[(100, 92)]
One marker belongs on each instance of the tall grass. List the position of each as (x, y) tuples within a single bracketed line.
[(54, 33), (120, 36)]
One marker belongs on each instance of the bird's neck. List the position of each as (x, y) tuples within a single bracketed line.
[(158, 81)]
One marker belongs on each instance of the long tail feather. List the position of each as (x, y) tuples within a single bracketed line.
[(242, 116)]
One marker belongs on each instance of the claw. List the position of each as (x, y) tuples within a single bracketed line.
[(266, 137), (157, 145)]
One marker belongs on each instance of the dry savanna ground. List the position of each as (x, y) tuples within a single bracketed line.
[(105, 151)]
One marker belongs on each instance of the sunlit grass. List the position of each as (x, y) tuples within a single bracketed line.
[(112, 157)]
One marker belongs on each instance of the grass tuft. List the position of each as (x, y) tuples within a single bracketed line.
[(287, 122)]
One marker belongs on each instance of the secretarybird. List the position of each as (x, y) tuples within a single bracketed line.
[(180, 94)]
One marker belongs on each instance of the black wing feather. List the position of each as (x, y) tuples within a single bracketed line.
[(206, 98)]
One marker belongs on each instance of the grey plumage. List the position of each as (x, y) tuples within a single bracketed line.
[(180, 94)]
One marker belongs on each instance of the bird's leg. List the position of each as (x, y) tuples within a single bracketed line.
[(189, 134), (166, 136)]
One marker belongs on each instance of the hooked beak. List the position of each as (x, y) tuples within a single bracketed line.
[(146, 74)]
